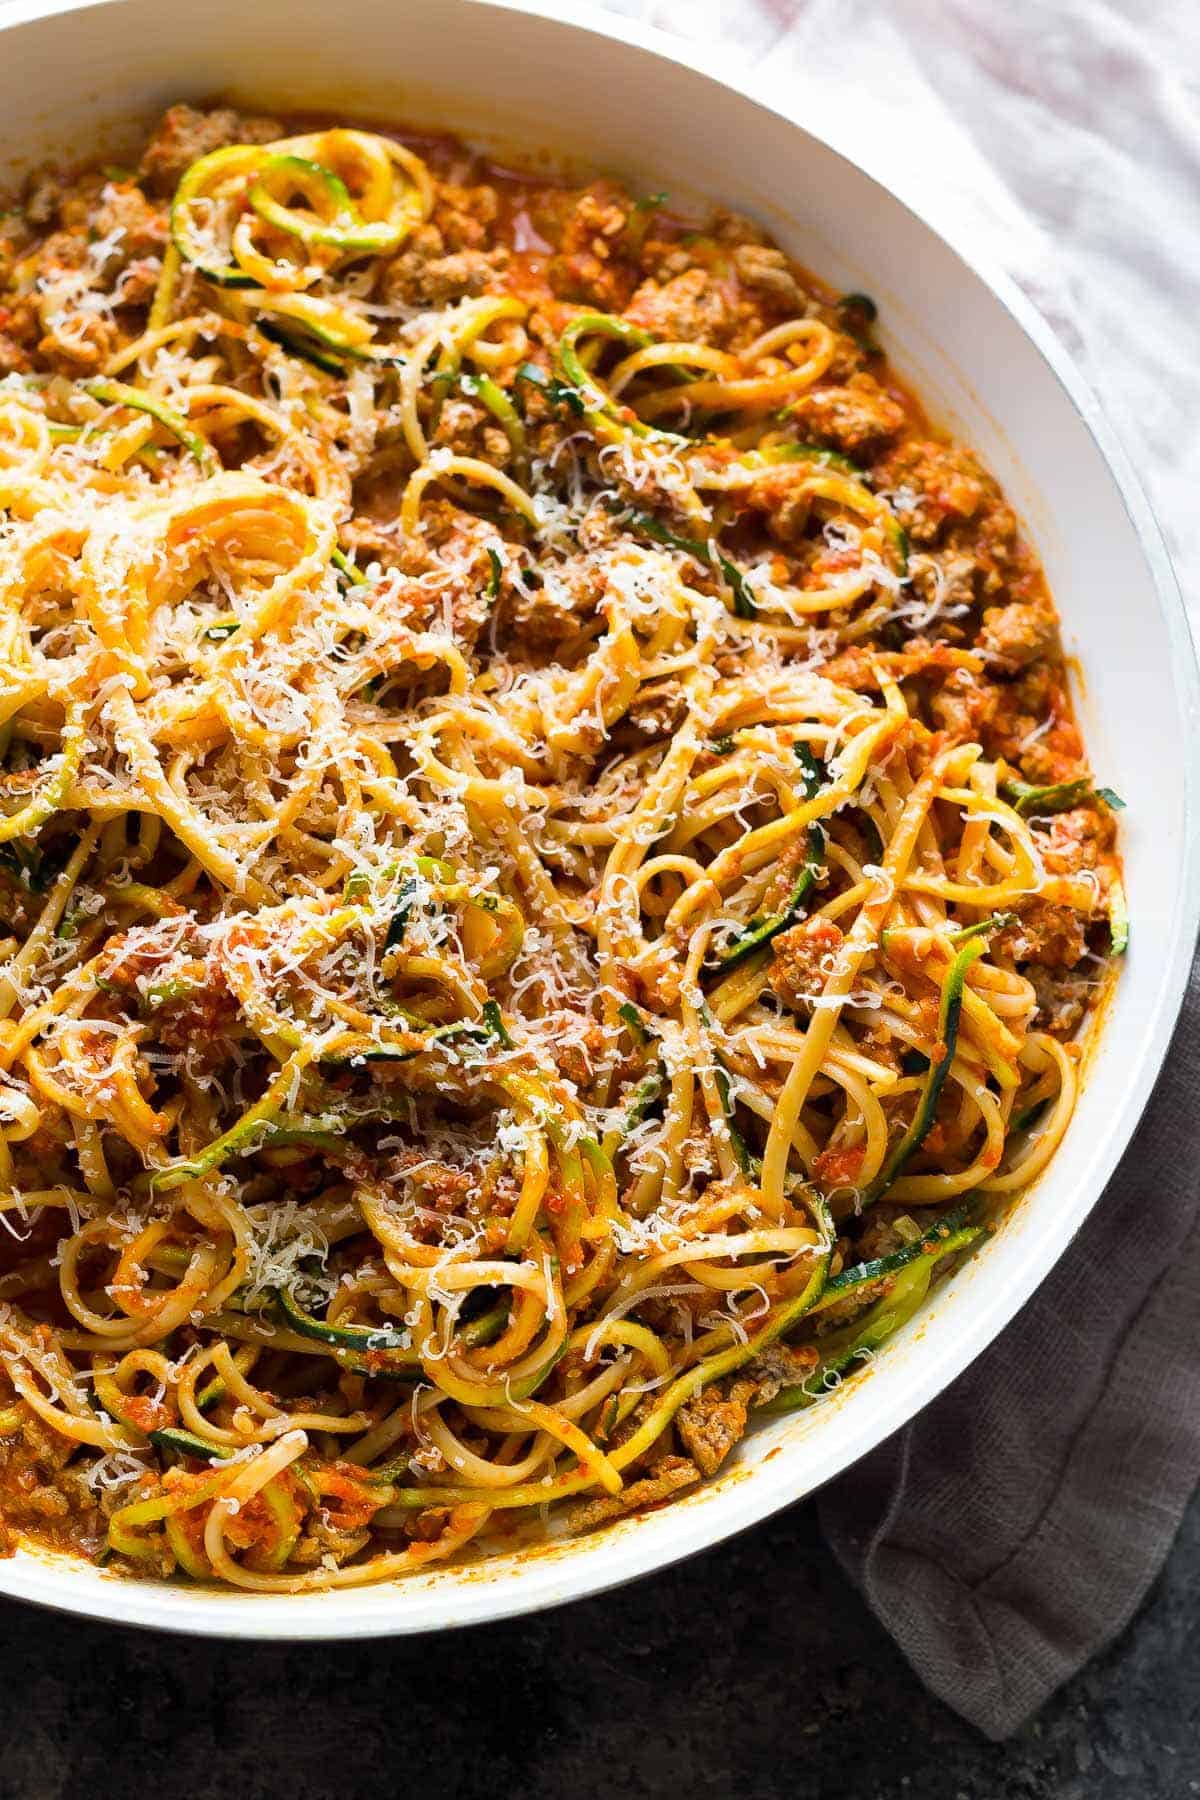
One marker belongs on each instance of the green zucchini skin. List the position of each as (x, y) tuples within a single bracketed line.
[(493, 1018), (345, 231), (367, 1340), (704, 551), (189, 189), (1118, 918), (186, 1443), (760, 932), (347, 567), (374, 1340), (119, 393), (644, 1096), (631, 1017), (949, 1014), (911, 1275), (597, 404), (746, 1161), (864, 1275), (303, 345), (814, 453), (1028, 801)]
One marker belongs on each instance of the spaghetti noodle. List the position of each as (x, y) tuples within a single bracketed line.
[(549, 876)]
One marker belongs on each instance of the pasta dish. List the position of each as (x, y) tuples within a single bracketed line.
[(548, 876)]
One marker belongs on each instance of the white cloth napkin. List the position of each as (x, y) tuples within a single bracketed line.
[(1011, 1530)]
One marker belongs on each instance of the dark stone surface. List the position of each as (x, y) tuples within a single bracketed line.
[(753, 1671)]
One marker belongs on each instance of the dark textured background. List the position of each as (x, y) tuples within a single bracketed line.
[(753, 1671)]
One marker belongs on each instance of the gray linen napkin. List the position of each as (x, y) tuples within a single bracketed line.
[(1010, 1531)]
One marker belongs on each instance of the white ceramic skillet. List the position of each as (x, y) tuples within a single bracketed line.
[(76, 79)]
